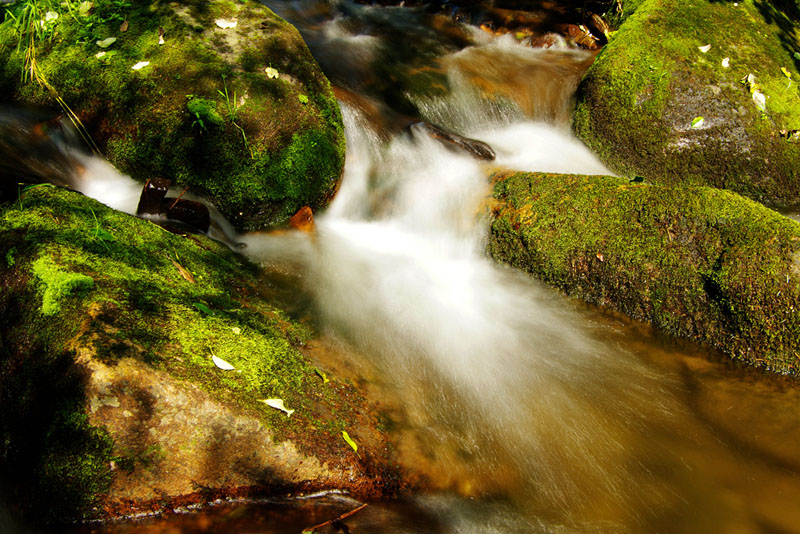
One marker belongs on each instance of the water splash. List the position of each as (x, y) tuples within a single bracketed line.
[(498, 373)]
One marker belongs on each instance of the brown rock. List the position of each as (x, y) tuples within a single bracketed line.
[(303, 220)]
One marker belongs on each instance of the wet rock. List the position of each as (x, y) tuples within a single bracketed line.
[(154, 202), (303, 220), (699, 263), (109, 324), (203, 109), (671, 63), (473, 147)]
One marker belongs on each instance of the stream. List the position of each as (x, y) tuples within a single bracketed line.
[(528, 411)]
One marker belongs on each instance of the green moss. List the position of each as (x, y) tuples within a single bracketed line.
[(144, 124), (58, 285), (142, 307), (699, 263), (205, 110), (637, 102)]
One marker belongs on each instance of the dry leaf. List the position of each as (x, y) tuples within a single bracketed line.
[(184, 272), (704, 48), (225, 24), (105, 43), (600, 257), (222, 364), (236, 330), (278, 405), (271, 73), (760, 100), (698, 122), (140, 65), (124, 26), (726, 62)]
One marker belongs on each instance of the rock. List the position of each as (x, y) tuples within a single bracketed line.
[(203, 111), (303, 220), (637, 102), (112, 403), (698, 263), (455, 142)]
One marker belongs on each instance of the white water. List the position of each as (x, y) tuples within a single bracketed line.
[(490, 366)]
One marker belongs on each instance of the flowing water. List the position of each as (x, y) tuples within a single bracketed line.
[(529, 412)]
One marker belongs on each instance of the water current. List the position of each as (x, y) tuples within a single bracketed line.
[(527, 411)]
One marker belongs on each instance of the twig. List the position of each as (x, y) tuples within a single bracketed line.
[(185, 189), (340, 518)]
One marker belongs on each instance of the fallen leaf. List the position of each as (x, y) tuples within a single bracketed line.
[(786, 73), (323, 376), (84, 8), (278, 405), (222, 364), (236, 330), (100, 54), (600, 257), (203, 308), (184, 272), (698, 122), (726, 62), (349, 441), (271, 73), (105, 43), (760, 100), (140, 65), (225, 24), (704, 48), (124, 26)]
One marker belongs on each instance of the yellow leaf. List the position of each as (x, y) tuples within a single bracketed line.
[(350, 441)]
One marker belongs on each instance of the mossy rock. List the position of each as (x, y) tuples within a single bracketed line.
[(204, 112), (698, 263), (638, 101), (112, 401)]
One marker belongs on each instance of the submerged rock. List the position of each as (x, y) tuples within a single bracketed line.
[(697, 263), (231, 105), (113, 404), (674, 63)]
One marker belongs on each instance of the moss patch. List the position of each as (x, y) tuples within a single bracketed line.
[(699, 263), (143, 306), (637, 102), (203, 112)]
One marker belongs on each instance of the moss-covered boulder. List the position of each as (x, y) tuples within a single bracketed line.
[(240, 114), (698, 263), (674, 62), (112, 401)]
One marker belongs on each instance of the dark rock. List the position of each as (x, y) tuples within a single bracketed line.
[(455, 142)]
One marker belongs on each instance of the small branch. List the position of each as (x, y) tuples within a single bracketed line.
[(340, 518), (185, 189)]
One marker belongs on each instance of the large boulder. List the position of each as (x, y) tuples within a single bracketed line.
[(674, 62), (242, 114), (112, 400), (699, 263)]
